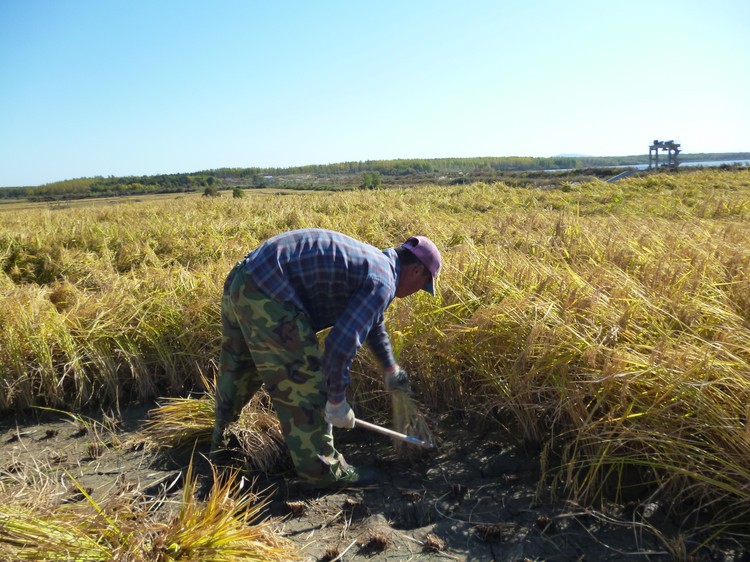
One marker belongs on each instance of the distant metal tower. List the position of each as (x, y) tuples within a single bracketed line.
[(671, 146)]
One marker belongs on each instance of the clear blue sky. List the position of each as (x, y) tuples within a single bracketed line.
[(131, 87)]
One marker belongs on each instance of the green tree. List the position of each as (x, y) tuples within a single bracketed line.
[(238, 193), (210, 191), (370, 180)]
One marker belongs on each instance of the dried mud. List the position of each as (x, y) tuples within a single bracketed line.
[(478, 497)]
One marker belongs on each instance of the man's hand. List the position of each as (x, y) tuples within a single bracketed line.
[(340, 415), (397, 379)]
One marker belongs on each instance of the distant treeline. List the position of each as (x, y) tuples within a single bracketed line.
[(110, 187), (405, 167), (222, 178), (467, 165)]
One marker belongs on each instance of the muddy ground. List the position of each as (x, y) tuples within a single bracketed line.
[(475, 498)]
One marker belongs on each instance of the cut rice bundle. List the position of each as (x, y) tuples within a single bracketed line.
[(183, 423), (260, 439), (408, 419)]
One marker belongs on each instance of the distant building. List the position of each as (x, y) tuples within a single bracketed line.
[(672, 148)]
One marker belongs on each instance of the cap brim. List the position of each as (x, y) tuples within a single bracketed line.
[(430, 286)]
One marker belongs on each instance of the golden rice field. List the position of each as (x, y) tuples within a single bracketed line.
[(608, 323)]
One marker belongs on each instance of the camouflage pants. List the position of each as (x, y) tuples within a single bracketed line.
[(264, 341)]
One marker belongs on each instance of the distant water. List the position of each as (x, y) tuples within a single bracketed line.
[(709, 164), (717, 163)]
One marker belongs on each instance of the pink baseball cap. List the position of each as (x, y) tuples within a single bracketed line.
[(428, 254)]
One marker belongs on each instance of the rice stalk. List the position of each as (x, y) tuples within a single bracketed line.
[(185, 423), (408, 419), (224, 527), (589, 320), (52, 536), (259, 436), (180, 423), (34, 526)]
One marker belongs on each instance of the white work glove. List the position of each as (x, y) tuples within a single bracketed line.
[(397, 379), (340, 415)]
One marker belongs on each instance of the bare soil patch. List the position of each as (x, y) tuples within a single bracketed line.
[(478, 497)]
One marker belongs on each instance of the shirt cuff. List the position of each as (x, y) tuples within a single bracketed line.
[(336, 397)]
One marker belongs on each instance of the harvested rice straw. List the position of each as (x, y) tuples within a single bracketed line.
[(181, 423), (258, 432), (408, 419)]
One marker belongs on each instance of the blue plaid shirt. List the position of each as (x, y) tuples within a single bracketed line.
[(336, 281)]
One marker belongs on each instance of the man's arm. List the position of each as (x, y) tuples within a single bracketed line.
[(348, 334), (380, 345)]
